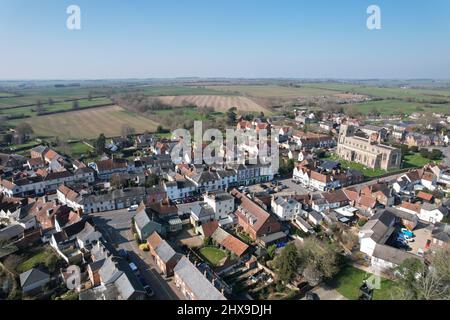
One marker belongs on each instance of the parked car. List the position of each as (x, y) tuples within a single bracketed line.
[(133, 208), (134, 268)]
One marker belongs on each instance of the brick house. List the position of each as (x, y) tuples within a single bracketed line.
[(165, 257), (253, 219)]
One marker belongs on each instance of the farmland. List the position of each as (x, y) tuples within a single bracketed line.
[(177, 91), (219, 103), (88, 123), (6, 95), (29, 96), (382, 92), (274, 91), (56, 107)]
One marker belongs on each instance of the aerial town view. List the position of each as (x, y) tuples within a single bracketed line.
[(243, 151)]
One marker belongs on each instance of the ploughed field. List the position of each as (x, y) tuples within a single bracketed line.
[(86, 124)]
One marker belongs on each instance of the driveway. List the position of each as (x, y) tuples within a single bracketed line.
[(115, 227), (326, 293)]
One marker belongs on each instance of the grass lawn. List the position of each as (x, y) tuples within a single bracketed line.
[(410, 161), (348, 281), (33, 261), (415, 160), (213, 255), (367, 172)]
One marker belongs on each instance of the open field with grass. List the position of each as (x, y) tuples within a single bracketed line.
[(213, 255), (177, 90), (219, 103), (6, 95), (56, 107), (348, 281), (388, 107), (388, 92), (74, 149), (31, 95), (88, 123), (273, 91)]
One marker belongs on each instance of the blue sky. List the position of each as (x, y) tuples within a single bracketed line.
[(224, 38)]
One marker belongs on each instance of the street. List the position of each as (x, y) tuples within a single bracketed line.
[(115, 227)]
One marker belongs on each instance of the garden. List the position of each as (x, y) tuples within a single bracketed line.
[(213, 255), (349, 279)]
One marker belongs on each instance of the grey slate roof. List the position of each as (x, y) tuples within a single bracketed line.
[(378, 228), (11, 232), (202, 210), (392, 254), (196, 282), (165, 251), (441, 232), (141, 219), (109, 272), (32, 276)]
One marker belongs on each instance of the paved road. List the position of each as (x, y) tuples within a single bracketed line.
[(115, 226)]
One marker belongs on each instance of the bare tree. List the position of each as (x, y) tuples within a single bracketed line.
[(127, 131)]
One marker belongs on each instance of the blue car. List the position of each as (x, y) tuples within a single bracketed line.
[(407, 232)]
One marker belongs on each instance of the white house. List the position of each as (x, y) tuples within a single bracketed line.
[(179, 189), (221, 202), (432, 213), (286, 208)]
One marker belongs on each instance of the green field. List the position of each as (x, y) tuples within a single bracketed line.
[(213, 255), (177, 91), (273, 91), (388, 107), (56, 107), (388, 92), (348, 281), (29, 96), (6, 95)]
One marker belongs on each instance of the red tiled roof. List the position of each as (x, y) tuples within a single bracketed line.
[(425, 196), (367, 202), (209, 228), (428, 176), (252, 208), (320, 177), (51, 154), (234, 245), (411, 206), (154, 240)]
